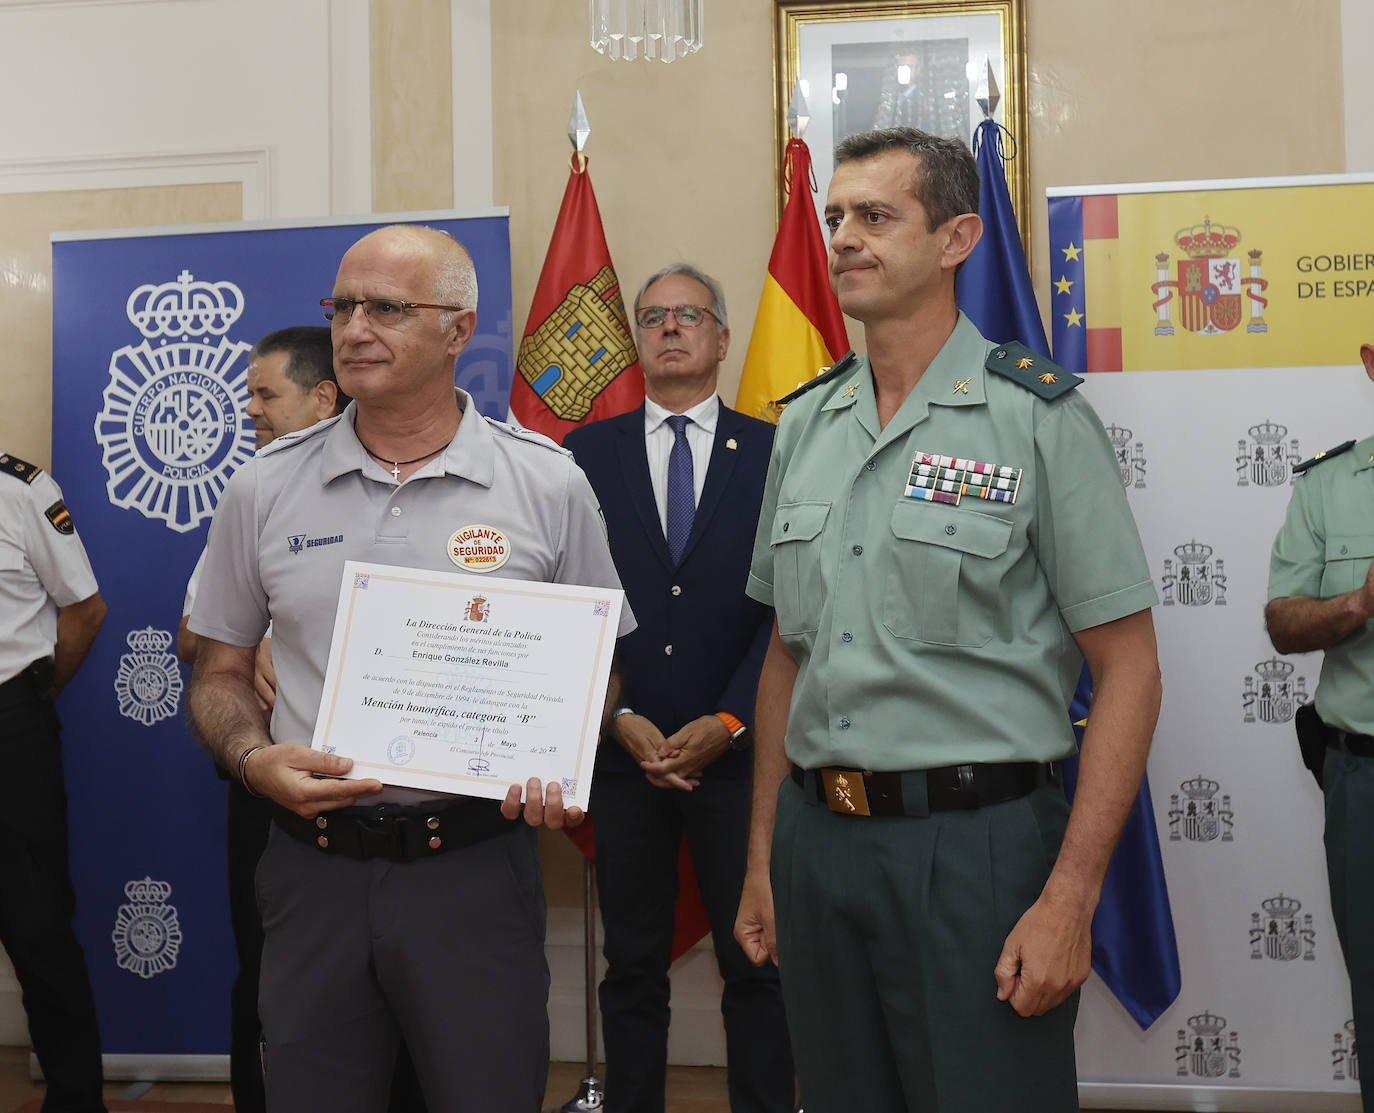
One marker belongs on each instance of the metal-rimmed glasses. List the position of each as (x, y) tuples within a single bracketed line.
[(688, 316), (387, 312)]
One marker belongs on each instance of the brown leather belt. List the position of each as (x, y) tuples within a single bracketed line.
[(948, 788), (401, 833)]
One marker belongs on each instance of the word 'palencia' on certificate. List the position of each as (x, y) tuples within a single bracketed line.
[(467, 684)]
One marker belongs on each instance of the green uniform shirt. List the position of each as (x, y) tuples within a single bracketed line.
[(929, 634), (1323, 549)]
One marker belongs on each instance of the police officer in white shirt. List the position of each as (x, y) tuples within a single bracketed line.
[(50, 613)]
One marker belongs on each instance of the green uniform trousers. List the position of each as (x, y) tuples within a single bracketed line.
[(888, 932), (1349, 841)]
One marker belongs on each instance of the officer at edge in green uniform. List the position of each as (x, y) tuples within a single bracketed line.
[(945, 538), (1321, 596)]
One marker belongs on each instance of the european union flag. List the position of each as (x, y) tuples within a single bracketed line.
[(1134, 949)]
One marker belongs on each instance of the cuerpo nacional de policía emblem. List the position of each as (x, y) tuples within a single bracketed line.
[(148, 683), (147, 932), (173, 428)]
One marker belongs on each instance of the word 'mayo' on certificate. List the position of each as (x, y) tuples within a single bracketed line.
[(464, 684)]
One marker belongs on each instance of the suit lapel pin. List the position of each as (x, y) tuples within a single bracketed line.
[(732, 444)]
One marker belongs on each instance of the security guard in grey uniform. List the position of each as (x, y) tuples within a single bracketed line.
[(387, 912), (945, 539), (50, 613), (1321, 596)]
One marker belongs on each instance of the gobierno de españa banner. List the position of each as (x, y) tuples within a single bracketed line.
[(1226, 319)]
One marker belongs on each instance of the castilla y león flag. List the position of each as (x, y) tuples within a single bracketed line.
[(577, 360), (799, 328)]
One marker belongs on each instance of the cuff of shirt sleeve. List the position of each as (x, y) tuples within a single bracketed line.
[(1108, 608), (1288, 588), (759, 589), (229, 637)]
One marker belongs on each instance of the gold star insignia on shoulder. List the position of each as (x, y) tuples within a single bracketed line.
[(1048, 377), (961, 385), (850, 389), (1024, 362)]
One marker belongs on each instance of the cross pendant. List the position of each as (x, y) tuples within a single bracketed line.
[(396, 472)]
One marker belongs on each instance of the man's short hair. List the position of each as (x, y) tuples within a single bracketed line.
[(717, 305), (456, 281), (309, 357), (946, 180)]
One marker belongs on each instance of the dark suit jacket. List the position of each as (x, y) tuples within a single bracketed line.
[(717, 633)]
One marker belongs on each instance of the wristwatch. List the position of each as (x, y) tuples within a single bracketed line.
[(741, 738)]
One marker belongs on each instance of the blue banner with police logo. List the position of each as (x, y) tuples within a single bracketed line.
[(151, 334)]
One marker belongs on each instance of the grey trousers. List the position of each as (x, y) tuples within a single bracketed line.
[(448, 951)]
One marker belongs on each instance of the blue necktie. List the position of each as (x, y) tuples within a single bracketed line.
[(682, 502)]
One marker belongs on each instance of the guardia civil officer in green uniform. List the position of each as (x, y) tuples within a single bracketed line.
[(1321, 596), (945, 539)]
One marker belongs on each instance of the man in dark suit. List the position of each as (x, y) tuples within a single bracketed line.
[(680, 482)]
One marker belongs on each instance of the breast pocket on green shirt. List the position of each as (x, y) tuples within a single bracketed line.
[(1347, 562), (942, 579), (796, 543)]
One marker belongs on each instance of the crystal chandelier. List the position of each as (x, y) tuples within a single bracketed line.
[(660, 30)]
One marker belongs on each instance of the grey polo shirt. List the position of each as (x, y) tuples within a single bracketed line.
[(929, 634), (309, 501)]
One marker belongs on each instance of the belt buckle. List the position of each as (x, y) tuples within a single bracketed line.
[(845, 792), (379, 835)]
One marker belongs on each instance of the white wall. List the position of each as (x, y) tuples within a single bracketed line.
[(155, 92)]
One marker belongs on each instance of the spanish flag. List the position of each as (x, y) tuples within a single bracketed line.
[(799, 328)]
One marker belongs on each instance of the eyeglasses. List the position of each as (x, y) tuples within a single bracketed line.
[(380, 311), (688, 316)]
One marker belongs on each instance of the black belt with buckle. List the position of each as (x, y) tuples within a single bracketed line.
[(401, 833), (35, 681), (1361, 745), (948, 788)]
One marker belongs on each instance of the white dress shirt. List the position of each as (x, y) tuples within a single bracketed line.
[(658, 443)]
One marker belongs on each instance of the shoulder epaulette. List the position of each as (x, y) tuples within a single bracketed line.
[(529, 436), (1042, 377), (20, 469), (842, 365), (1298, 469), (298, 436)]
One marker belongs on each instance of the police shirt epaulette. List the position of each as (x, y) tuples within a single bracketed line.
[(1037, 374), (529, 436), (297, 436), (1298, 469), (20, 469), (844, 363)]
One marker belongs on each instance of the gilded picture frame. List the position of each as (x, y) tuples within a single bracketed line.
[(918, 63)]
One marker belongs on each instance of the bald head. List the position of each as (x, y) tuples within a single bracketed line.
[(445, 260), (397, 348)]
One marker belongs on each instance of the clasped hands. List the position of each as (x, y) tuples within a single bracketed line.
[(675, 761)]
